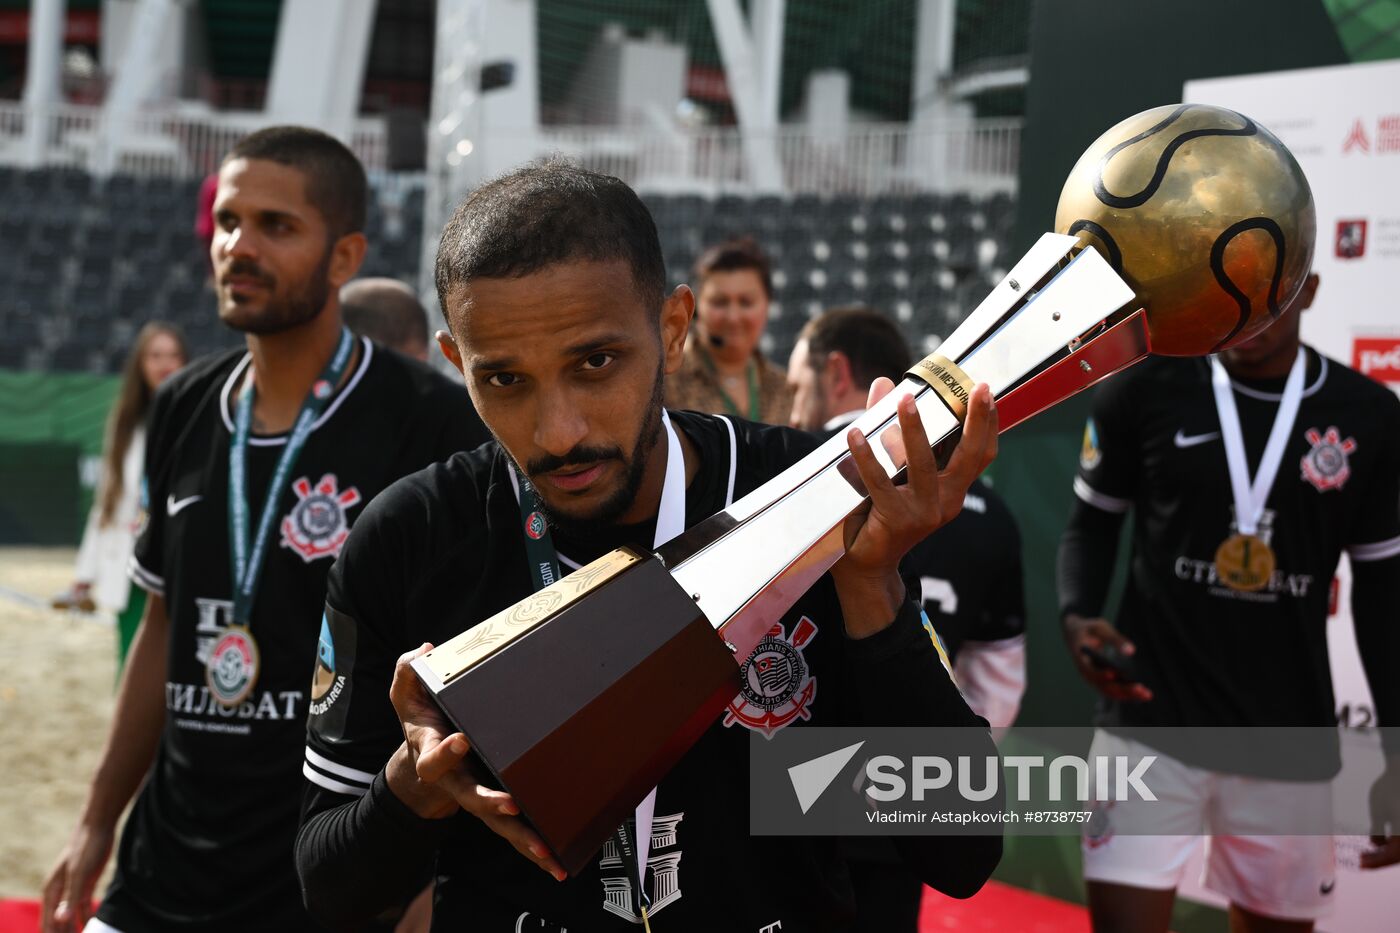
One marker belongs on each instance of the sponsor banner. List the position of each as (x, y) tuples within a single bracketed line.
[(1095, 784), (1377, 357), (1343, 126)]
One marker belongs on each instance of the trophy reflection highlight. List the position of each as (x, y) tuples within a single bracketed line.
[(1183, 230)]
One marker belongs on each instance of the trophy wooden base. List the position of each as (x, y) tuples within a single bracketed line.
[(604, 696)]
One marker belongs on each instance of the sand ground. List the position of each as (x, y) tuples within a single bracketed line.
[(57, 673)]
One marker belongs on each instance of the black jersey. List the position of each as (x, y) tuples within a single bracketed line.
[(1213, 655), (968, 575), (445, 549), (209, 841)]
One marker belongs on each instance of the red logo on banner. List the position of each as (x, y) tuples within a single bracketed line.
[(1351, 239), (1377, 357), (1388, 133), (1356, 139)]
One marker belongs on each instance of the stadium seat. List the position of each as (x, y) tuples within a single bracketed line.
[(98, 258)]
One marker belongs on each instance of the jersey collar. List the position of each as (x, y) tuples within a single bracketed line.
[(1310, 390), (279, 440)]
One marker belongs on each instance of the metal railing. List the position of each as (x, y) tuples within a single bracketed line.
[(165, 143), (975, 156)]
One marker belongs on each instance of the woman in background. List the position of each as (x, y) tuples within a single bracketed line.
[(723, 371), (100, 578)]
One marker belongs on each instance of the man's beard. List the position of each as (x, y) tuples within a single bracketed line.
[(607, 513), (283, 314)]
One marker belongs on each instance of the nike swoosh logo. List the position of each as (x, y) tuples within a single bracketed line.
[(1184, 440), (174, 506)]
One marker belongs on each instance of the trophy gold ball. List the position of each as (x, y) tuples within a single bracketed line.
[(1204, 213)]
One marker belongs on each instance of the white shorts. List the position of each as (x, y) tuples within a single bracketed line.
[(97, 926), (1287, 877)]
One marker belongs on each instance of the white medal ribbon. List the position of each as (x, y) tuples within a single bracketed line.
[(670, 521), (1250, 497)]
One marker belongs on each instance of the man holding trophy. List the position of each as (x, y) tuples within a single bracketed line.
[(728, 578), (552, 280)]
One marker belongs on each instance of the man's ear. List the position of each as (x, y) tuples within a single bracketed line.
[(346, 256), (676, 313), (837, 373), (448, 346)]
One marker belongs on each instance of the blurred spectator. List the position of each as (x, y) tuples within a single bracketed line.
[(388, 312), (100, 578), (723, 371)]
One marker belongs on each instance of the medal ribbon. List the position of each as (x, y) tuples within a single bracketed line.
[(247, 565), (670, 521), (1250, 497)]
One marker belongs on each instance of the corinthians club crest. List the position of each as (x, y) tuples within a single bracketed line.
[(317, 526), (1326, 465), (778, 684)]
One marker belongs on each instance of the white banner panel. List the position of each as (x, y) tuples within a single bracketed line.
[(1343, 126)]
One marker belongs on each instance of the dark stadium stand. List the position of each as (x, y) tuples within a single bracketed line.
[(87, 262), (925, 258)]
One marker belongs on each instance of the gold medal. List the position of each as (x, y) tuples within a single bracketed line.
[(1244, 562), (232, 669)]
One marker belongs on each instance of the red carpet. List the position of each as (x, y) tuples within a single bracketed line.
[(19, 916), (999, 908)]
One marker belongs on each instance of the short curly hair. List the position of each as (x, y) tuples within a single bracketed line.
[(547, 212)]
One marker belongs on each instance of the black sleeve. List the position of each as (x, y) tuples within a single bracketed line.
[(1375, 533), (896, 677), (1110, 462), (392, 858), (1088, 551), (1375, 592), (351, 728), (350, 862), (1374, 549), (1110, 465)]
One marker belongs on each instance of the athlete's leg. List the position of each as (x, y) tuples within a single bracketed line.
[(1134, 850), (1122, 908), (1243, 920), (1273, 883)]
